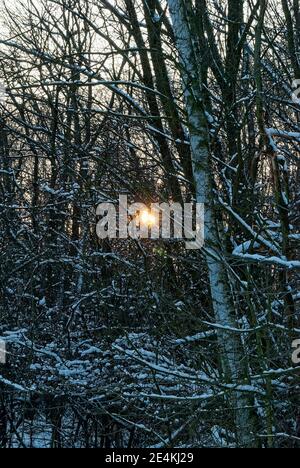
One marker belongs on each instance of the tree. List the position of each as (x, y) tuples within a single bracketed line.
[(138, 343)]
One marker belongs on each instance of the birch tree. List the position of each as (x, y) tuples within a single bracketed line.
[(235, 369)]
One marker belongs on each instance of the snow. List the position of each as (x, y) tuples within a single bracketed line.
[(194, 338), (257, 237), (15, 386), (91, 350), (245, 247), (272, 132), (276, 261), (105, 348)]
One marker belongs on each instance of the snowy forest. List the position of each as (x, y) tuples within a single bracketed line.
[(141, 343)]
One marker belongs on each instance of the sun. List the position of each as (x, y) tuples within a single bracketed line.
[(147, 218)]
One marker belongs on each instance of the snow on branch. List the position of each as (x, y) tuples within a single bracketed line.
[(275, 261), (255, 235), (17, 387), (272, 132), (200, 377)]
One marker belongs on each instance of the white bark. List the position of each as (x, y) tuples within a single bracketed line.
[(232, 357)]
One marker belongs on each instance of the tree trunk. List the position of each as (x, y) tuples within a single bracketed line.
[(230, 344)]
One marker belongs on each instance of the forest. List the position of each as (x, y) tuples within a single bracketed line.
[(140, 342)]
